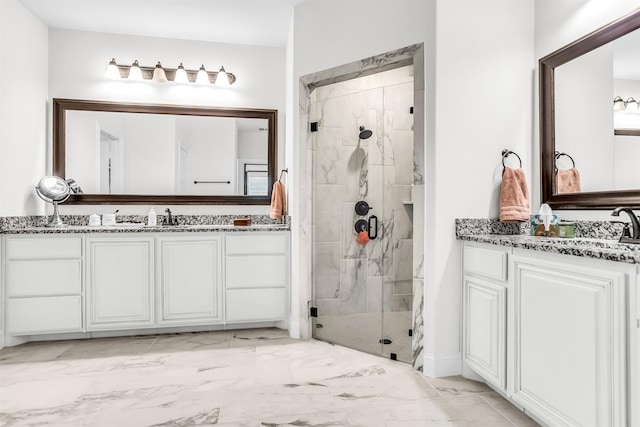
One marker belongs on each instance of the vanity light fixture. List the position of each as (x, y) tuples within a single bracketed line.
[(135, 73), (631, 106), (628, 106), (113, 72), (202, 78), (181, 75), (618, 104), (159, 74), (222, 78)]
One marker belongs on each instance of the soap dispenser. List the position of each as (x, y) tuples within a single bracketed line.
[(153, 219)]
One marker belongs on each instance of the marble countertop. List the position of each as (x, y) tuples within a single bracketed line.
[(610, 250), (142, 228)]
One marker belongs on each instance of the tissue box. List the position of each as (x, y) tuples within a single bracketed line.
[(242, 221)]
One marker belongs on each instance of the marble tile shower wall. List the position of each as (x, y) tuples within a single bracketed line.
[(351, 278)]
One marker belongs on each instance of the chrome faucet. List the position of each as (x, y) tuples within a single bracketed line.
[(170, 219), (635, 225)]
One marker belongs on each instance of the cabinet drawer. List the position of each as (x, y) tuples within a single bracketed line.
[(252, 305), (256, 243), (43, 247), (44, 277), (44, 315), (256, 271), (485, 262)]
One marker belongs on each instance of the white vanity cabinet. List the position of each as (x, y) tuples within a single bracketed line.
[(485, 312), (256, 266), (119, 282), (551, 333), (100, 283), (569, 338), (43, 284), (189, 276)]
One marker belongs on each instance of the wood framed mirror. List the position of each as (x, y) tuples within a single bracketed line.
[(127, 153), (576, 111)]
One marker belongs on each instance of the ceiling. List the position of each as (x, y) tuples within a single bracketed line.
[(253, 22)]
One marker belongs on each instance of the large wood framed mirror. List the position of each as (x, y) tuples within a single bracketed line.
[(579, 130), (125, 153)]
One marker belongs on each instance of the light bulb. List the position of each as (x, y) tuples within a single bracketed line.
[(222, 79), (631, 105), (135, 73), (202, 78), (112, 71), (181, 75), (159, 75), (618, 104)]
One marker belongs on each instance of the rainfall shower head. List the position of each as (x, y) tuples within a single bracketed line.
[(364, 133)]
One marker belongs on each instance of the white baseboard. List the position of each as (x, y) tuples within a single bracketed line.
[(294, 329), (442, 365)]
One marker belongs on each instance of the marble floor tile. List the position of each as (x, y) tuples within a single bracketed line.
[(457, 386), (510, 412), (252, 378)]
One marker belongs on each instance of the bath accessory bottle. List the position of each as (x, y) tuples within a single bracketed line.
[(152, 220), (94, 220)]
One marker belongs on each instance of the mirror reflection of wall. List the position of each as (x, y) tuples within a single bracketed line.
[(585, 121), (252, 168), (124, 153), (110, 164)]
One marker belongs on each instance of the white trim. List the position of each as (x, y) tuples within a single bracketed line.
[(442, 365), (1, 339), (294, 327)]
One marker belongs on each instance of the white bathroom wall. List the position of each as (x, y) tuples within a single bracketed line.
[(23, 108), (148, 164), (211, 143), (483, 93), (484, 73), (77, 61), (329, 34)]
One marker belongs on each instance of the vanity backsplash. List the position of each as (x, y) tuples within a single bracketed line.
[(18, 222), (583, 228)]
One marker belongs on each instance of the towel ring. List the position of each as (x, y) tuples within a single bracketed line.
[(558, 154), (506, 153)]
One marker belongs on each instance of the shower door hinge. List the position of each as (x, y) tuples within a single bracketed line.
[(393, 356), (410, 110), (314, 126), (410, 332), (313, 311)]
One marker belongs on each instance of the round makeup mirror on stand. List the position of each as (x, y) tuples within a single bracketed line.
[(54, 190)]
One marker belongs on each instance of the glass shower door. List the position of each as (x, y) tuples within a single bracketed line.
[(362, 176)]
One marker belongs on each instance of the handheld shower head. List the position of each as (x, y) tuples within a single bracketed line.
[(364, 133)]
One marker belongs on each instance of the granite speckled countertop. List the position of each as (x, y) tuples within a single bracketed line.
[(594, 239), (136, 224), (124, 228)]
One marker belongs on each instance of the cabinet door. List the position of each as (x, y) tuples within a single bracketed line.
[(120, 278), (570, 343), (485, 328), (190, 274)]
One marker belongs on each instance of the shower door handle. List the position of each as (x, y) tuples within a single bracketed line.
[(373, 227)]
